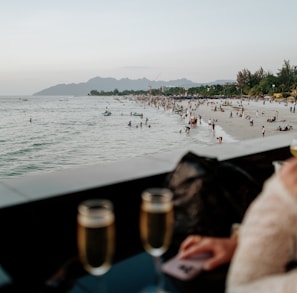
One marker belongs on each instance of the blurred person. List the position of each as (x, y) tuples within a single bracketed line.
[(265, 257)]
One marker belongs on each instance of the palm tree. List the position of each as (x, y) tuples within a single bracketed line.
[(287, 76)]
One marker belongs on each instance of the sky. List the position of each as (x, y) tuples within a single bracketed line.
[(49, 42)]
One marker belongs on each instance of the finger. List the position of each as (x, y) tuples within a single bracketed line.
[(289, 165), (189, 241), (194, 250), (214, 262), (288, 174)]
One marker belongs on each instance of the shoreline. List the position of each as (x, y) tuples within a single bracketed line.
[(232, 116)]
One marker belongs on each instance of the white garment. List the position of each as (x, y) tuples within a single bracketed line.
[(266, 243)]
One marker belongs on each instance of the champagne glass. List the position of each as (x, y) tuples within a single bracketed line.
[(293, 147), (156, 228), (95, 237)]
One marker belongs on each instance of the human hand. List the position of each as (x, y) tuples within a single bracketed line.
[(288, 175), (222, 249)]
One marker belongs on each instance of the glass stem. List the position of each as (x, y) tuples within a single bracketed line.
[(101, 284), (159, 274)]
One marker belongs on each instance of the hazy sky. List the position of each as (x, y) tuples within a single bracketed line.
[(48, 42)]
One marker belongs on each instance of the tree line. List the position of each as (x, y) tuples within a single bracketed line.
[(259, 83)]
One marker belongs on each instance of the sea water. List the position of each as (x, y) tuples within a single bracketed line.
[(43, 134)]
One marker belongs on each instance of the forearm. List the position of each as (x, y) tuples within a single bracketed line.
[(265, 241), (273, 284)]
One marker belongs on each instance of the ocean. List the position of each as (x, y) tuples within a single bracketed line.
[(45, 134)]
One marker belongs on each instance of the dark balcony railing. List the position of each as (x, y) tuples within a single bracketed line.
[(38, 213)]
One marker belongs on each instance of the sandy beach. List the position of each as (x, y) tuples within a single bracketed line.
[(232, 117)]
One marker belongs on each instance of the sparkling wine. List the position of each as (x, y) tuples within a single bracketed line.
[(156, 228), (156, 225), (96, 235)]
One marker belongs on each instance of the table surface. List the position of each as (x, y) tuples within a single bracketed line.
[(137, 272)]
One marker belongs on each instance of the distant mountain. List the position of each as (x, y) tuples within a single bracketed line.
[(110, 84)]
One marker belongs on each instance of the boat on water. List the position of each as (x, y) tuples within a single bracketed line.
[(107, 113)]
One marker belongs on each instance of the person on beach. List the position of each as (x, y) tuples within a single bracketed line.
[(213, 126), (263, 131), (219, 139)]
